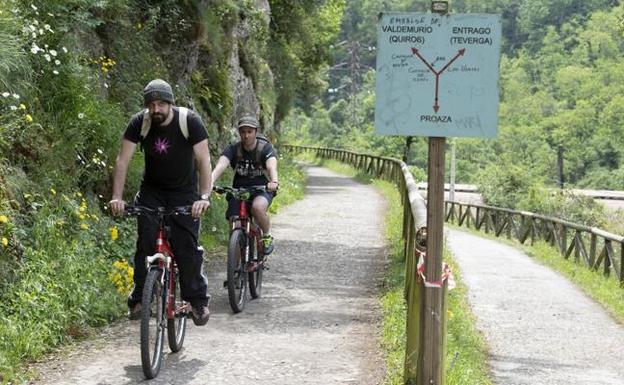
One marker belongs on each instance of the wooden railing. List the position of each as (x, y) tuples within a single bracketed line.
[(593, 247), (414, 235)]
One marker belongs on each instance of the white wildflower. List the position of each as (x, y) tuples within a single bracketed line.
[(34, 35), (47, 27), (55, 72), (36, 22), (100, 151), (81, 115), (6, 94), (13, 108), (53, 52), (64, 49), (32, 28), (41, 31), (57, 62), (47, 57), (33, 7), (16, 96)]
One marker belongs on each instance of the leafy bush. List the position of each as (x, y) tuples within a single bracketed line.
[(62, 283)]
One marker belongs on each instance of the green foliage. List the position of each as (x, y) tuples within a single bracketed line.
[(61, 285), (301, 35)]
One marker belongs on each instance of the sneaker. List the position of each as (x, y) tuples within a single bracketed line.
[(267, 244), (134, 311), (200, 315)]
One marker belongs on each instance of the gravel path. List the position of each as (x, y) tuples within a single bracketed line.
[(317, 322), (540, 328)]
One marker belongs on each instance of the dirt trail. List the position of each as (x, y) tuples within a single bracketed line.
[(541, 329), (317, 322)]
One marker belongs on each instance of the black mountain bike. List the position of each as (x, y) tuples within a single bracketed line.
[(162, 307), (245, 256)]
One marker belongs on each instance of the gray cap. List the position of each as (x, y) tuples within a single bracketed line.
[(157, 89), (248, 121)]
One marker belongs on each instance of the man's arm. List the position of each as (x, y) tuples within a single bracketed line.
[(271, 165), (202, 156), (222, 164), (119, 175)]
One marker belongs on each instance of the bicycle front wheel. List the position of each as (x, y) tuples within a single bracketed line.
[(176, 326), (153, 319), (255, 277), (236, 277)]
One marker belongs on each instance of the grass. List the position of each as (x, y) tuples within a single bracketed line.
[(466, 356)]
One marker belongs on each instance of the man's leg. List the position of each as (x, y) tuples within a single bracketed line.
[(190, 257), (145, 245), (259, 208)]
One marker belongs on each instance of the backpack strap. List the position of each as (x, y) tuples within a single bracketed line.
[(182, 120), (147, 124), (258, 152)]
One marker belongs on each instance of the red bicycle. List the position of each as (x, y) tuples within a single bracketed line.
[(162, 305), (245, 256)]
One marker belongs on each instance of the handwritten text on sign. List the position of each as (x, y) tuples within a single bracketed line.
[(437, 75)]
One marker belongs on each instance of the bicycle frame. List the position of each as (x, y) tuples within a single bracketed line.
[(245, 222), (165, 260)]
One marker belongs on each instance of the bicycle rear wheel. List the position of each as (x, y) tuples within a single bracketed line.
[(236, 277), (176, 327), (255, 277), (153, 319)]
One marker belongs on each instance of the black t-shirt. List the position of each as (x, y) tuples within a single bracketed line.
[(169, 157), (247, 172)]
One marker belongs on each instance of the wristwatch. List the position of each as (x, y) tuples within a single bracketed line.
[(205, 197)]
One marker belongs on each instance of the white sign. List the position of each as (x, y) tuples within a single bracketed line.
[(437, 75)]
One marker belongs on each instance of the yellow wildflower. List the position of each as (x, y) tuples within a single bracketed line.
[(53, 191), (5, 242), (28, 118), (22, 106), (114, 233), (84, 226), (4, 219)]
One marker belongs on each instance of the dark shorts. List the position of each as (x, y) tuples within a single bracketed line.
[(232, 209)]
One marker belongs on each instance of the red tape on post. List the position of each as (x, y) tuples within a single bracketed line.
[(447, 274)]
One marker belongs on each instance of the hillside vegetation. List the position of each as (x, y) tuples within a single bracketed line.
[(71, 74)]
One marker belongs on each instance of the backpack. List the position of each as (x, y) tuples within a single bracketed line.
[(257, 155), (147, 123)]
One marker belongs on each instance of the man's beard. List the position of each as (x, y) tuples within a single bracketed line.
[(157, 117)]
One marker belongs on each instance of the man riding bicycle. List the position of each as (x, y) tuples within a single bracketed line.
[(173, 140), (254, 161)]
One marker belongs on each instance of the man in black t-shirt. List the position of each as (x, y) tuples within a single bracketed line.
[(173, 146), (255, 163)]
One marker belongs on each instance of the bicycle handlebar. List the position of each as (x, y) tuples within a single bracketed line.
[(136, 210), (239, 190)]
